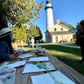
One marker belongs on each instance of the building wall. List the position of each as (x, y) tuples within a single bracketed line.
[(58, 28), (58, 38)]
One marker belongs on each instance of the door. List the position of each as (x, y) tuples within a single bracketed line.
[(56, 39)]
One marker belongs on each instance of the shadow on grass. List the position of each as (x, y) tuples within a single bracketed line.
[(63, 49), (26, 46), (70, 56)]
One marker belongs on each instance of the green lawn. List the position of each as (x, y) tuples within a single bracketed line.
[(70, 56), (69, 43)]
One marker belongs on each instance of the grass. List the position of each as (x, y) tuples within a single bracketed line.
[(69, 43), (70, 56)]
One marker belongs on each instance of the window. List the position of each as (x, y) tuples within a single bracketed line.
[(54, 29), (61, 29)]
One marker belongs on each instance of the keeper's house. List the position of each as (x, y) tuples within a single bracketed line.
[(58, 33)]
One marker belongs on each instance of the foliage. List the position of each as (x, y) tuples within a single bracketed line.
[(70, 56), (19, 33), (71, 28), (78, 28), (40, 34), (23, 32), (17, 12), (32, 31)]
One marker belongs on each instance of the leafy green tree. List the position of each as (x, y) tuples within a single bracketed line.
[(32, 31), (13, 30), (17, 12), (21, 33), (71, 28)]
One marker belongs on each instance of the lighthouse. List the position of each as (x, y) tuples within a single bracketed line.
[(49, 15)]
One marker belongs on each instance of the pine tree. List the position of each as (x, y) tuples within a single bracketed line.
[(40, 34)]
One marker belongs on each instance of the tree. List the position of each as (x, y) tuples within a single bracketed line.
[(32, 31), (71, 28), (40, 34), (19, 33), (17, 12), (78, 28)]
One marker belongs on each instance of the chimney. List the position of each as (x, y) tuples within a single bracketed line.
[(57, 21)]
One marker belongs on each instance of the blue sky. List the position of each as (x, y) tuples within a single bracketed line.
[(69, 11)]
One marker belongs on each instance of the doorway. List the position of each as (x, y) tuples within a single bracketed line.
[(56, 39)]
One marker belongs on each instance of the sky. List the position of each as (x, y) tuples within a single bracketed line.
[(69, 11)]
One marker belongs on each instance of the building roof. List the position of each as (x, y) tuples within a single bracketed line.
[(63, 26), (60, 32), (60, 25)]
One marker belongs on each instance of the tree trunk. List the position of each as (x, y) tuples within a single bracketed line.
[(3, 22)]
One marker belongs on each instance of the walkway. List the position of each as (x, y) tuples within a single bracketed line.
[(68, 46)]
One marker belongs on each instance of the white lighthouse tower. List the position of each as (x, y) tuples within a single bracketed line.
[(49, 15)]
